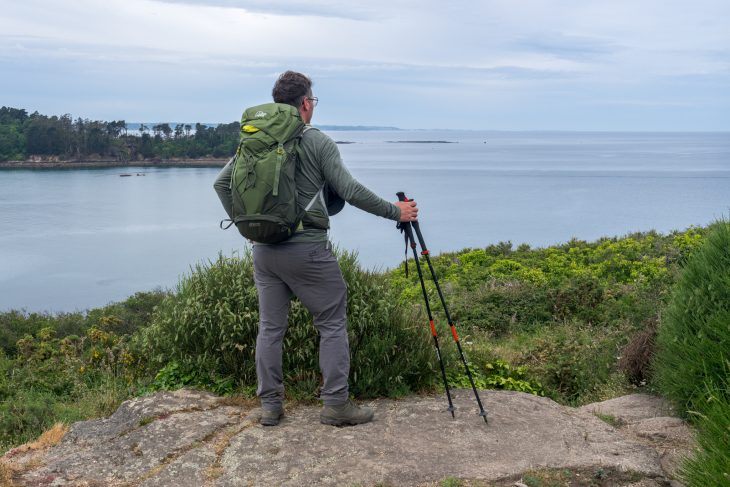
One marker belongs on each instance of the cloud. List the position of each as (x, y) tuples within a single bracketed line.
[(485, 35), (148, 55), (335, 9), (567, 46)]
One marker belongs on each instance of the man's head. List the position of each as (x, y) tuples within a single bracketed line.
[(295, 89)]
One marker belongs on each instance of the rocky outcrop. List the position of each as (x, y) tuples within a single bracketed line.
[(192, 438), (650, 421)]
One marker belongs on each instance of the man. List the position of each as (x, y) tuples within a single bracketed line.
[(305, 266)]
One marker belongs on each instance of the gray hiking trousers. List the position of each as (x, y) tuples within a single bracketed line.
[(311, 273)]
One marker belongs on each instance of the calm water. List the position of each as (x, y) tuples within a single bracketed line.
[(75, 239)]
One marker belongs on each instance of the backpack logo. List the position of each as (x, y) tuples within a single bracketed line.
[(260, 114)]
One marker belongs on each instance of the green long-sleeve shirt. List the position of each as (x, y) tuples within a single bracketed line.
[(320, 164)]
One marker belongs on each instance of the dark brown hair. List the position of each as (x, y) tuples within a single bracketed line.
[(291, 88)]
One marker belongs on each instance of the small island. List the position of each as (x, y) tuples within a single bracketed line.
[(420, 142)]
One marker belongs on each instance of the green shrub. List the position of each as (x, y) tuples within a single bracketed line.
[(25, 416), (208, 329), (14, 325), (692, 359), (121, 318), (611, 287), (711, 464), (500, 306), (174, 375), (634, 304), (578, 297), (125, 317), (693, 341), (605, 283), (53, 380), (493, 375), (572, 361)]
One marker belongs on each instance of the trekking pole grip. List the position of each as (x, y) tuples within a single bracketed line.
[(402, 197)]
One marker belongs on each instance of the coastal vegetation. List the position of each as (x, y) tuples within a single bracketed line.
[(26, 136), (577, 322), (692, 366)]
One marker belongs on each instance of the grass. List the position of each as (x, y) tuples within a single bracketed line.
[(47, 439), (146, 420), (564, 477), (712, 461), (609, 419), (451, 482), (598, 477)]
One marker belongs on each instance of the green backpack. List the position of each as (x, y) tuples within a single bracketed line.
[(263, 179)]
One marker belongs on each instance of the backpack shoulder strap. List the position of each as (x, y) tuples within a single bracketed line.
[(306, 129), (319, 193)]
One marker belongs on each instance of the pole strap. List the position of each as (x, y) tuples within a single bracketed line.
[(402, 227)]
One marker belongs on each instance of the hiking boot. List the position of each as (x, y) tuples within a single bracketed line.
[(271, 417), (345, 414)]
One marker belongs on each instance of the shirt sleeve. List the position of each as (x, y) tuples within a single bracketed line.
[(222, 186), (339, 178)]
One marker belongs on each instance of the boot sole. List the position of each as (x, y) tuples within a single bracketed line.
[(343, 422), (269, 423)]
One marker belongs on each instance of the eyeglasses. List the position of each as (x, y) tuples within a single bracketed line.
[(313, 99)]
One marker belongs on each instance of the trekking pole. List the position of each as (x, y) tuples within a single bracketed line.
[(426, 254), (406, 228)]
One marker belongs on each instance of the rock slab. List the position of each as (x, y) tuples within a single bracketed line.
[(192, 438), (649, 420)]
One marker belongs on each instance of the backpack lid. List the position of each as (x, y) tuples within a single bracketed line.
[(279, 120)]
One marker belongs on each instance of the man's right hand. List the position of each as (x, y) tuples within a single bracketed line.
[(408, 210)]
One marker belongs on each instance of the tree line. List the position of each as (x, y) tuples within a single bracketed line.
[(24, 135)]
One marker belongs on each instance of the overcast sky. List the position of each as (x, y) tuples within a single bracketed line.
[(493, 64)]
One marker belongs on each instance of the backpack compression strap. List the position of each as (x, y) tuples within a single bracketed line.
[(319, 194)]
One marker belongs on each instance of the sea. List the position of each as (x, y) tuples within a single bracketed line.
[(75, 239)]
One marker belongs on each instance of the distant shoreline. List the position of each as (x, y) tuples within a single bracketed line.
[(96, 164), (101, 163)]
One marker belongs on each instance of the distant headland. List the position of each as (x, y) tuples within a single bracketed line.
[(34, 140)]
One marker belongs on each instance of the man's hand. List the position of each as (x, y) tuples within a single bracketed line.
[(408, 210)]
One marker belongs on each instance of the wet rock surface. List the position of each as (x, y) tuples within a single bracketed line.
[(192, 438)]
